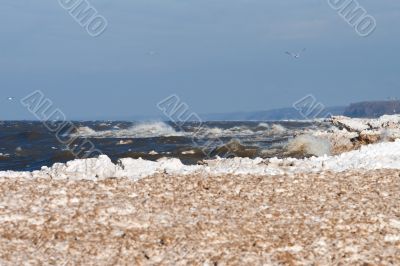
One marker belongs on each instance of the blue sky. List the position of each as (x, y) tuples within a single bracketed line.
[(218, 56)]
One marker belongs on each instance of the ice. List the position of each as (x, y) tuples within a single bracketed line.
[(362, 125), (375, 156)]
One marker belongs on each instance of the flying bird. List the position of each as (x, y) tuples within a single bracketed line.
[(296, 55), (11, 98), (152, 53)]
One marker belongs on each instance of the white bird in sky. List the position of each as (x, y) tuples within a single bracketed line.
[(11, 98), (152, 53), (296, 55)]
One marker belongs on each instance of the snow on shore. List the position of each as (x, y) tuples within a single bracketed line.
[(362, 124), (375, 156), (347, 134), (386, 127)]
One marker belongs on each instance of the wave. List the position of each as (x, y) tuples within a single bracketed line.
[(160, 129), (264, 125), (142, 130), (234, 148), (4, 155), (278, 129), (262, 129), (309, 145), (216, 132)]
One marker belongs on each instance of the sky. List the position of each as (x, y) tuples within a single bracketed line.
[(216, 55)]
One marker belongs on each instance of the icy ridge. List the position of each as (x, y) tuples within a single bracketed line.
[(374, 156)]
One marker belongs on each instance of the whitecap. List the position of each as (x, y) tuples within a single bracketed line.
[(142, 130), (309, 145)]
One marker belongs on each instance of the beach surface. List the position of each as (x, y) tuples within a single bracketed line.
[(352, 217)]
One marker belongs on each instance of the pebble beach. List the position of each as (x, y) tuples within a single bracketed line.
[(304, 219)]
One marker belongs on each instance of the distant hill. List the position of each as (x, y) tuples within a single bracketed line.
[(274, 114), (289, 113), (368, 109), (373, 109)]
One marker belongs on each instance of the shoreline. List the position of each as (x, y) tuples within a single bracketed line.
[(376, 156)]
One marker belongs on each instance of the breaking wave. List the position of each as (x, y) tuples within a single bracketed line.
[(306, 145), (161, 129), (143, 130), (263, 129), (217, 132)]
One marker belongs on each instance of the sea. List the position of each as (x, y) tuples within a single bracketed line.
[(30, 145)]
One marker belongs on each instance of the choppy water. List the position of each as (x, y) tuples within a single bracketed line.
[(30, 145)]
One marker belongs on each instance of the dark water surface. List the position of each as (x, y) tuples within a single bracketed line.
[(30, 145)]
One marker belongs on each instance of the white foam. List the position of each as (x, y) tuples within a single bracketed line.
[(216, 132), (242, 131), (159, 129), (278, 129), (124, 142), (262, 124), (85, 131), (142, 130), (188, 152), (376, 156), (310, 145)]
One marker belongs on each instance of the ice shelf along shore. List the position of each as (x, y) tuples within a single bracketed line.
[(374, 156)]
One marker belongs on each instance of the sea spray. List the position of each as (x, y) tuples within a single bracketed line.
[(142, 130), (277, 129), (307, 145)]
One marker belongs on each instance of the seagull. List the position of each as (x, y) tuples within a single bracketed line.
[(152, 53), (11, 98), (296, 55)]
